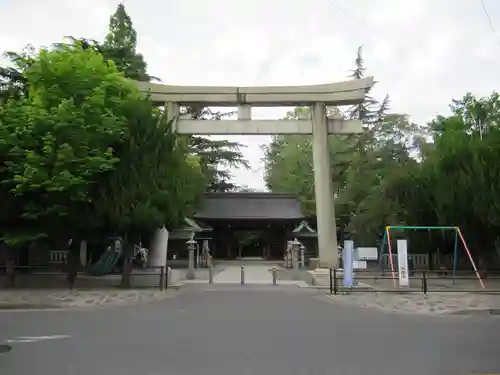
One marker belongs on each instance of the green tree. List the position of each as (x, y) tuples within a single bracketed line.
[(82, 150), (216, 156), (456, 181), (369, 110), (155, 183), (288, 168), (57, 142), (289, 158), (289, 162), (120, 46), (13, 84), (388, 151), (397, 172), (60, 138), (360, 165)]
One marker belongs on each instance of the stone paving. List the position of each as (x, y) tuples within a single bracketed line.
[(253, 274), (54, 299), (418, 303), (231, 274)]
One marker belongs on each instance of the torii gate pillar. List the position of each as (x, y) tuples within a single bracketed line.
[(325, 209)]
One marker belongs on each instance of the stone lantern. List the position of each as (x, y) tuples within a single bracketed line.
[(302, 256), (295, 251), (289, 254), (191, 246)]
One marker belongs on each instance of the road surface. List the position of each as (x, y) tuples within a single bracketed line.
[(240, 330)]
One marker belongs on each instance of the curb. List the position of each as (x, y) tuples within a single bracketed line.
[(26, 306), (471, 312), (465, 313), (298, 284), (54, 308)]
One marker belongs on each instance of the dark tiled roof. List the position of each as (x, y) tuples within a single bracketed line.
[(190, 227), (304, 230), (304, 227), (249, 206)]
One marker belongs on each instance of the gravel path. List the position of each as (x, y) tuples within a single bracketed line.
[(418, 303), (47, 299)]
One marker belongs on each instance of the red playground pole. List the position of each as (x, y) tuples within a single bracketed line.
[(390, 255), (470, 257)]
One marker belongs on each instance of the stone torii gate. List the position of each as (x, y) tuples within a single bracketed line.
[(317, 97)]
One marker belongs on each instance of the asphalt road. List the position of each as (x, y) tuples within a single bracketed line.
[(244, 330)]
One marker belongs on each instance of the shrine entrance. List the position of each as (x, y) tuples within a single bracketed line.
[(251, 244), (249, 225)]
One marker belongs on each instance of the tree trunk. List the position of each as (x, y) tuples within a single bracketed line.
[(73, 262), (10, 266), (127, 264)]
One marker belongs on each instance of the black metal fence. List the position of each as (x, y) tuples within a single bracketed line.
[(419, 282), (45, 277)]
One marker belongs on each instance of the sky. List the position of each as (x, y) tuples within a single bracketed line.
[(422, 53)]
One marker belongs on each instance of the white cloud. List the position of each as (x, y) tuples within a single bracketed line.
[(423, 52)]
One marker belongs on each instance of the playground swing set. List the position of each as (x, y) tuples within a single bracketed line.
[(458, 238)]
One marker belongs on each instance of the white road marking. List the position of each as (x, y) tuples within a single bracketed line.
[(15, 341), (28, 339), (36, 338)]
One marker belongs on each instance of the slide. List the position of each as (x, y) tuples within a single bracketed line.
[(105, 264)]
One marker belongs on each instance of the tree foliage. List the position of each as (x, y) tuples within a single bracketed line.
[(216, 157), (400, 173), (120, 46), (13, 84), (58, 139), (456, 180), (83, 154), (155, 178)]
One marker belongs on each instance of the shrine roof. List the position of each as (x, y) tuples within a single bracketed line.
[(249, 206)]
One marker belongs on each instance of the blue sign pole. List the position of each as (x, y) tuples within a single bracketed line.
[(347, 256)]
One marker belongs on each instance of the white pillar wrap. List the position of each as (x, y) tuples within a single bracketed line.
[(157, 253)]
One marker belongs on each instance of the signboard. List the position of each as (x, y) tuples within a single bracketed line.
[(355, 254), (367, 253), (359, 264), (404, 279), (347, 257)]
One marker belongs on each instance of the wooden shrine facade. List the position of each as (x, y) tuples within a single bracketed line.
[(246, 225)]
